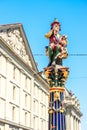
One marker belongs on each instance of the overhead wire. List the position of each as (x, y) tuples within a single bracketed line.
[(73, 54)]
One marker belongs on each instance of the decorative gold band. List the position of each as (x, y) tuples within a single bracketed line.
[(59, 89)]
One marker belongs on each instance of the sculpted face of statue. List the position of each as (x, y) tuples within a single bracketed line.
[(56, 29)]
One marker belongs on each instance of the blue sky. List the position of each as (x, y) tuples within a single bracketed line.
[(36, 16)]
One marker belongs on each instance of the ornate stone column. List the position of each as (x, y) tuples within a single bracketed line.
[(56, 76)]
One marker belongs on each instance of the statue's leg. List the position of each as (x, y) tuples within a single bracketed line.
[(54, 56), (56, 53), (50, 51)]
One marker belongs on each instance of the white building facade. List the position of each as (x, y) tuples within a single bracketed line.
[(23, 92), (73, 114)]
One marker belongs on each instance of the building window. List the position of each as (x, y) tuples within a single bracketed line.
[(26, 82), (26, 100), (34, 122), (41, 95), (42, 124), (14, 70), (34, 107), (42, 109), (13, 113), (25, 117), (29, 84), (36, 90), (14, 91)]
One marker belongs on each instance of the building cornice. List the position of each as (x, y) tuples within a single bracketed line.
[(15, 124), (72, 107)]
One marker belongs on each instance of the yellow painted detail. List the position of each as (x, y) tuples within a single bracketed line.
[(48, 35)]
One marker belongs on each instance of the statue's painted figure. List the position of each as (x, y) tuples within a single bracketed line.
[(57, 44), (56, 74)]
